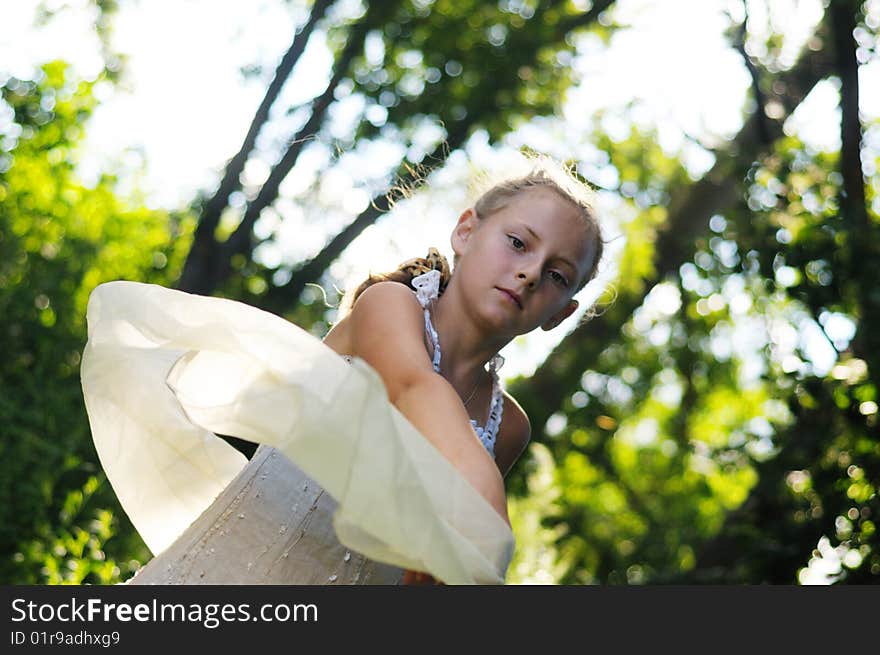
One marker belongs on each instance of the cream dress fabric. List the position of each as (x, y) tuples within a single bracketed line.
[(164, 370)]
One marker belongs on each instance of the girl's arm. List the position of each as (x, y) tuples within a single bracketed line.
[(387, 324), (514, 434)]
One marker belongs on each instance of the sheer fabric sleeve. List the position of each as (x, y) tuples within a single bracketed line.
[(163, 371)]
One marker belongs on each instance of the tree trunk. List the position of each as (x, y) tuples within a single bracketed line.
[(271, 525)]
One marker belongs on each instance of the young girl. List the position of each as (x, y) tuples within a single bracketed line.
[(419, 481), (525, 248)]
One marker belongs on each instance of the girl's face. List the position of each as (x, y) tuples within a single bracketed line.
[(520, 266)]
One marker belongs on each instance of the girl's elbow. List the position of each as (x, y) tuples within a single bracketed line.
[(410, 384)]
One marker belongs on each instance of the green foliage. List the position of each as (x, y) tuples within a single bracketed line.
[(72, 547), (537, 560), (58, 240), (827, 468), (486, 65), (683, 457)]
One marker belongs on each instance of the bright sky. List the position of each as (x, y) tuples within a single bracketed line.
[(185, 108)]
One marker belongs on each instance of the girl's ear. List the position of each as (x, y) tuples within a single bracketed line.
[(463, 230), (560, 316)]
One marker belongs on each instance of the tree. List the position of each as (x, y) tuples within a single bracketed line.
[(730, 479), (58, 240)]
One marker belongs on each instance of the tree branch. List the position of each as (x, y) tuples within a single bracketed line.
[(582, 20), (195, 276), (279, 299), (763, 129)]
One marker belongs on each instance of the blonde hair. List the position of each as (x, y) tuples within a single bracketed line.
[(494, 193), (405, 273)]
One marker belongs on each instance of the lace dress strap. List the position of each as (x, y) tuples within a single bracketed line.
[(489, 432), (427, 288)]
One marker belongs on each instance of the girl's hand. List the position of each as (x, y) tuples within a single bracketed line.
[(419, 578)]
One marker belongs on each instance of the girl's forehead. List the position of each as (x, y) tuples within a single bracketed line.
[(539, 202), (545, 212)]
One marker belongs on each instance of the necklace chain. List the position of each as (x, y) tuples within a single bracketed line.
[(477, 384), (473, 391)]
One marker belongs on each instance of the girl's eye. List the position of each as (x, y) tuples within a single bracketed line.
[(559, 278), (516, 243)]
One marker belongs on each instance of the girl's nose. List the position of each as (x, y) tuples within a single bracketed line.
[(530, 279)]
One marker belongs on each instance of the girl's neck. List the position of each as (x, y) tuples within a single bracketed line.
[(465, 349)]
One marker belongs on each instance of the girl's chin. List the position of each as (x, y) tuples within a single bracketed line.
[(500, 320)]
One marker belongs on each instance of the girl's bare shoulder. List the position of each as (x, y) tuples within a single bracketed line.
[(514, 434), (386, 307), (386, 328)]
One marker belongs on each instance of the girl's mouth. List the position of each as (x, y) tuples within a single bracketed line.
[(512, 296)]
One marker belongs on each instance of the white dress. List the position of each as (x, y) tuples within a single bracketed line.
[(164, 370)]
